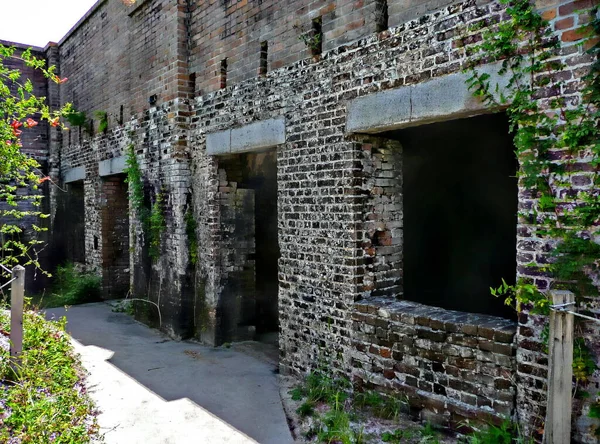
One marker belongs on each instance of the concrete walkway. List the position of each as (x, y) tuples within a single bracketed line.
[(151, 389)]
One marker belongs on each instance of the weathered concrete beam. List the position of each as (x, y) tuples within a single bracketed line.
[(116, 165), (253, 137), (74, 174), (443, 98)]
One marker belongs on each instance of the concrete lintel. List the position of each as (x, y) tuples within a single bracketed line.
[(442, 98), (74, 174), (116, 165), (252, 137)]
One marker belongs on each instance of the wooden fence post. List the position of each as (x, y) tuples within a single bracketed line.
[(17, 292), (560, 372)]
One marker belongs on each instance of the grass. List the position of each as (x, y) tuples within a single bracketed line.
[(70, 287), (386, 407), (45, 400), (505, 433), (337, 413)]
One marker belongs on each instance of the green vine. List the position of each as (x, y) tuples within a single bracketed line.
[(152, 220), (554, 134), (135, 181), (157, 225), (190, 230)]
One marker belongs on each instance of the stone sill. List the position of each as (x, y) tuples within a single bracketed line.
[(452, 321)]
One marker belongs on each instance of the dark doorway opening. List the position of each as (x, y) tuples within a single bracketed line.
[(460, 202), (69, 225), (249, 302), (115, 237)]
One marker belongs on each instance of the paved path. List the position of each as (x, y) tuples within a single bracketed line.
[(153, 390)]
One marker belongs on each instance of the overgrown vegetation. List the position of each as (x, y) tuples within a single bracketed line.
[(70, 287), (46, 400), (20, 174), (338, 414), (152, 220), (557, 140)]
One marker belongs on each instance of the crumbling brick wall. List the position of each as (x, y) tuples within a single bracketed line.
[(337, 259)]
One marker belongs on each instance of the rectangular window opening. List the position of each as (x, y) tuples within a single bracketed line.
[(316, 38), (381, 15), (459, 203), (192, 84), (224, 73), (264, 54)]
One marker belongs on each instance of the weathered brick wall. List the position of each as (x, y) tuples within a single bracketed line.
[(323, 177), (452, 366), (565, 17), (119, 56), (334, 189), (234, 30), (382, 235), (115, 245)]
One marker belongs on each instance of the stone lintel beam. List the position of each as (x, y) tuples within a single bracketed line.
[(74, 174), (255, 136), (108, 167), (443, 98)]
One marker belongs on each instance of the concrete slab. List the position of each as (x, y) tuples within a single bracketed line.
[(256, 136), (74, 174), (108, 167), (151, 389), (218, 143), (442, 98)]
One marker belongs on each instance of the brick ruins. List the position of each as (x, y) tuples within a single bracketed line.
[(316, 172)]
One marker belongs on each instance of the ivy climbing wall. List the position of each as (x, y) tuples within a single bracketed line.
[(340, 192)]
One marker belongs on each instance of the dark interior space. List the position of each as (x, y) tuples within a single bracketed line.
[(68, 239), (460, 213), (253, 176)]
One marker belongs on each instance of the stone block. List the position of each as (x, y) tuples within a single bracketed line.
[(108, 167), (74, 174)]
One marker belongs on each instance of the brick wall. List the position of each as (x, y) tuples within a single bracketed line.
[(453, 366), (234, 30), (328, 201), (334, 189)]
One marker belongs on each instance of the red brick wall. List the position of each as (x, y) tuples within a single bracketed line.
[(235, 29)]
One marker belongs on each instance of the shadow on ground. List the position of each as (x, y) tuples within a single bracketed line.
[(151, 389)]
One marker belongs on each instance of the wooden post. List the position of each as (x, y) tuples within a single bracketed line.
[(560, 371), (17, 292)]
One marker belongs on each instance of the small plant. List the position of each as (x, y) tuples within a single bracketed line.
[(307, 408), (102, 117), (505, 433), (125, 306), (313, 39), (386, 407), (76, 118), (157, 225)]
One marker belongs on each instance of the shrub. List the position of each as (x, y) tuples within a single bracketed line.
[(46, 400), (72, 286)]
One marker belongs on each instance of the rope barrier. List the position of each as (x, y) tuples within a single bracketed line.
[(562, 308), (8, 283), (8, 270)]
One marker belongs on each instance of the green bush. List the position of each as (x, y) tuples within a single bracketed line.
[(46, 400), (72, 286)]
